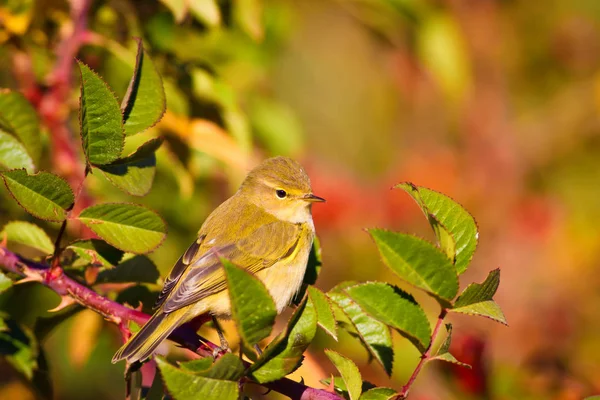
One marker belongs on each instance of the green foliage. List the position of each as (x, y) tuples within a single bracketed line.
[(28, 234), (144, 103), (476, 299), (20, 119), (418, 262), (229, 367), (5, 282), (325, 316), (252, 307), (379, 393), (94, 252), (184, 384), (443, 352), (373, 334), (13, 154), (128, 227), (43, 195), (135, 269), (134, 174), (395, 308), (284, 354), (454, 227), (102, 133), (349, 372), (19, 346)]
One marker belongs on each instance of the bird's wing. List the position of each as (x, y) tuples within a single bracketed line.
[(253, 249)]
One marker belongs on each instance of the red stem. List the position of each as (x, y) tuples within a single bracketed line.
[(424, 357), (120, 315)]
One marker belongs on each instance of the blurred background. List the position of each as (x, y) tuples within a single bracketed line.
[(493, 102)]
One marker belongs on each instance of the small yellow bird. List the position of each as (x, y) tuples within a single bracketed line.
[(266, 227)]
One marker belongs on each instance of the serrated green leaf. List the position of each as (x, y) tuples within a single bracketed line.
[(102, 132), (325, 317), (373, 334), (206, 11), (134, 174), (157, 390), (23, 121), (379, 393), (252, 307), (443, 352), (418, 262), (186, 385), (395, 308), (27, 234), (349, 372), (95, 252), (452, 216), (43, 195), (128, 227), (5, 282), (476, 299), (44, 325), (144, 103), (284, 354), (13, 154), (19, 347), (229, 367), (197, 365), (139, 269)]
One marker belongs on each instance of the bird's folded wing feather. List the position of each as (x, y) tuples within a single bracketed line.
[(200, 275)]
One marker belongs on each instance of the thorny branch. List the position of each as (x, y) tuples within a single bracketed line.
[(72, 291)]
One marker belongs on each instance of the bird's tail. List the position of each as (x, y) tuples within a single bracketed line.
[(141, 345)]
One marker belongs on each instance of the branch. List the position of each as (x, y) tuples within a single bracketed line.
[(121, 315), (424, 357)]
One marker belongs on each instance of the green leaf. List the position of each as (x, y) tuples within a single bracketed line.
[(476, 299), (19, 347), (134, 174), (43, 195), (144, 103), (95, 252), (136, 295), (128, 227), (379, 393), (206, 11), (325, 317), (395, 308), (443, 352), (102, 133), (458, 222), (186, 385), (27, 234), (252, 307), (375, 335), (198, 365), (22, 121), (139, 269), (418, 262), (5, 282), (284, 354), (349, 372), (13, 154), (229, 367)]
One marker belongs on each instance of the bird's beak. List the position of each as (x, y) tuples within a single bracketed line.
[(313, 199)]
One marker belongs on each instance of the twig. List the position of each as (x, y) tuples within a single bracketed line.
[(424, 357), (119, 314)]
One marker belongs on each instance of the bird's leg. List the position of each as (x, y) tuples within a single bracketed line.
[(224, 347)]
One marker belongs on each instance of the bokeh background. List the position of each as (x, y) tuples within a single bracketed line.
[(493, 102)]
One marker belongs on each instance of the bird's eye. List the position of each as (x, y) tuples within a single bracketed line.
[(281, 193)]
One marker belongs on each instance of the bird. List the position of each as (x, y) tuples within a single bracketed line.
[(266, 227)]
